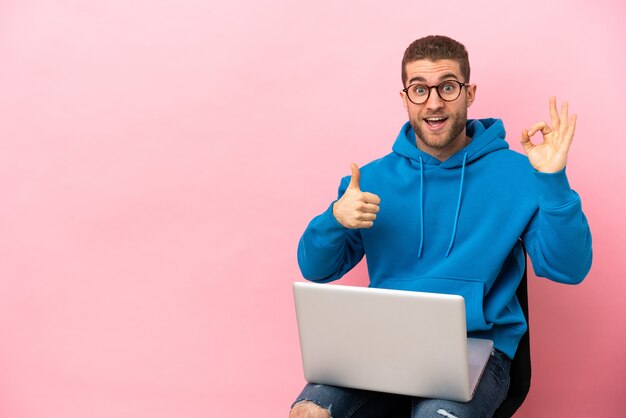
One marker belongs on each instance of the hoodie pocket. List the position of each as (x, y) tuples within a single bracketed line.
[(471, 290)]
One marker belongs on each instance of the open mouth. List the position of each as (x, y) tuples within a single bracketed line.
[(435, 122)]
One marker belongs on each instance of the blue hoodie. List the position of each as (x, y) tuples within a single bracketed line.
[(454, 227)]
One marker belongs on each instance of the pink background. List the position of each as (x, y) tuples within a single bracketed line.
[(159, 160)]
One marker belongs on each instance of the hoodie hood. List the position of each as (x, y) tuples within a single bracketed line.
[(487, 136)]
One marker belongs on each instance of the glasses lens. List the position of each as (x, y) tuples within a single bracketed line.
[(418, 93), (449, 90)]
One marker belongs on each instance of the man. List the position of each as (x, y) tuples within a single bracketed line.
[(445, 212)]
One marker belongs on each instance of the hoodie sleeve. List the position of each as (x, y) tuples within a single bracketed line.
[(328, 250), (558, 238)]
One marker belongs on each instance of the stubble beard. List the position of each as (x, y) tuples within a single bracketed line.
[(458, 125)]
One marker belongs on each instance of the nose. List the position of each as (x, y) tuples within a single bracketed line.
[(434, 101)]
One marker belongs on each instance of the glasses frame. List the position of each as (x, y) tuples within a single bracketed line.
[(461, 85)]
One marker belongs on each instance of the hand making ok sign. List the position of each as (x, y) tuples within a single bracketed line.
[(551, 155)]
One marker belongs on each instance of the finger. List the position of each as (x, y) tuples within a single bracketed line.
[(540, 126), (371, 198), (366, 224), (356, 177), (569, 135), (367, 217), (564, 117), (524, 139), (371, 208), (554, 114)]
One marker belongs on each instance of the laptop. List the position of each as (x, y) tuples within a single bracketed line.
[(394, 341)]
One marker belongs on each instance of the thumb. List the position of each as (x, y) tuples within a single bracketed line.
[(356, 177), (525, 140)]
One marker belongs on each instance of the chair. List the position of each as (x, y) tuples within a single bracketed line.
[(520, 365)]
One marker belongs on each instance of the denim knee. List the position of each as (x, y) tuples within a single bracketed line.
[(441, 409), (350, 403)]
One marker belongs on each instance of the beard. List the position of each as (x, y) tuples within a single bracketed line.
[(441, 140)]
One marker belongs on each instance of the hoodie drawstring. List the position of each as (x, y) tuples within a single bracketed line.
[(458, 206), (419, 252)]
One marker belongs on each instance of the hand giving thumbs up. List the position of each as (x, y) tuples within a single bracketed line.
[(356, 209)]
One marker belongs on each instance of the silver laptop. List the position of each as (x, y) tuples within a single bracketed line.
[(395, 341)]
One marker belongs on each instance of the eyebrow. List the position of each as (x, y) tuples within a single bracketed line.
[(446, 76)]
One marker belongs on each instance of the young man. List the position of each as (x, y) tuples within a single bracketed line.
[(445, 212)]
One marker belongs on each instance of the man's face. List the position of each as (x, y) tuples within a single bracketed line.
[(439, 125)]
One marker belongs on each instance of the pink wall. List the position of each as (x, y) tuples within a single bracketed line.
[(159, 160)]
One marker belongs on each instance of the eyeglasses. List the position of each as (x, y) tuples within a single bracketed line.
[(448, 90)]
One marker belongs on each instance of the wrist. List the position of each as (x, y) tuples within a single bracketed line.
[(550, 169), (335, 211)]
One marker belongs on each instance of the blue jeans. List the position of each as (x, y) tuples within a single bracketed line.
[(356, 403)]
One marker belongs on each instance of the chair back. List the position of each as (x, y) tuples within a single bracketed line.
[(520, 365)]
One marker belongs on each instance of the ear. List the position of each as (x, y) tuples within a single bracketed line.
[(471, 94), (405, 102)]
